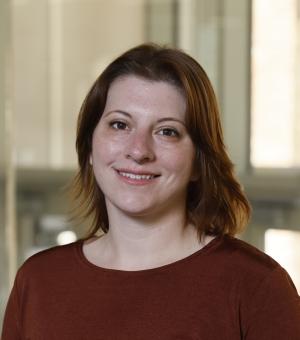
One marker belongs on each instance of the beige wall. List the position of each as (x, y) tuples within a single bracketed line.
[(59, 50), (4, 25)]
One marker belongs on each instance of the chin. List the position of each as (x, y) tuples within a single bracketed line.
[(134, 207), (137, 211)]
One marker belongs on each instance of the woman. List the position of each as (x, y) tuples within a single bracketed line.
[(155, 176)]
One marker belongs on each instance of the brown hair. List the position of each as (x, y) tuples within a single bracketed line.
[(215, 202)]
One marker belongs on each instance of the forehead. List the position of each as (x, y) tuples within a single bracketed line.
[(136, 93)]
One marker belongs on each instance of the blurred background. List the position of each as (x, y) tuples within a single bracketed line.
[(51, 51)]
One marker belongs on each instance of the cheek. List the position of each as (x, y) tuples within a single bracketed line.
[(104, 149), (101, 156), (106, 143), (180, 162)]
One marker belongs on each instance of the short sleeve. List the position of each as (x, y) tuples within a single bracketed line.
[(273, 311), (11, 326)]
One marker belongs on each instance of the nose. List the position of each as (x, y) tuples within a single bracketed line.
[(140, 147)]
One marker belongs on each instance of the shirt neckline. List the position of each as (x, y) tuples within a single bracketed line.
[(170, 266)]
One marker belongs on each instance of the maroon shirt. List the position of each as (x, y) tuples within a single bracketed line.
[(228, 290)]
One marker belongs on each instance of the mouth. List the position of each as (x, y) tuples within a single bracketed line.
[(136, 176)]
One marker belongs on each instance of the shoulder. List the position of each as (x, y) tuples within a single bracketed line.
[(49, 261), (263, 290), (237, 261), (251, 268), (245, 256), (53, 254)]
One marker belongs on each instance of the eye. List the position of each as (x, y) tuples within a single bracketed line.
[(118, 125), (168, 132)]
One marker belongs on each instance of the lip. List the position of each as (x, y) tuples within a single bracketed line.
[(137, 172), (136, 181)]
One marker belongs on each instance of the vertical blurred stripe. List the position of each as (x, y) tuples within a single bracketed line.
[(10, 169)]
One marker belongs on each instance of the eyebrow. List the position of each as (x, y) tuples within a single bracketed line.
[(117, 111), (164, 119)]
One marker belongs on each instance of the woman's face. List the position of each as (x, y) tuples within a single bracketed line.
[(142, 154)]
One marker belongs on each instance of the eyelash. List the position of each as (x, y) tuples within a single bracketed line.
[(174, 132), (171, 132), (118, 122)]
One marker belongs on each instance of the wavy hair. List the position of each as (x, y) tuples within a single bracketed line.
[(216, 204)]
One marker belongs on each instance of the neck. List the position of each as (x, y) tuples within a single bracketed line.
[(146, 241)]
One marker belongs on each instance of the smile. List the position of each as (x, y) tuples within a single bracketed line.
[(134, 176)]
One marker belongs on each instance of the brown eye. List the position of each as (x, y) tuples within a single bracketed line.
[(168, 132), (118, 125)]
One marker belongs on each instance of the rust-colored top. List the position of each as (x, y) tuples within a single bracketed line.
[(228, 290)]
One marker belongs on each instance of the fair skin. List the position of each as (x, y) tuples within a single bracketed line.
[(142, 157)]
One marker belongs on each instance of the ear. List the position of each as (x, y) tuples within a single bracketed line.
[(91, 160)]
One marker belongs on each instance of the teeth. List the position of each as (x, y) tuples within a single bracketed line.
[(132, 176)]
